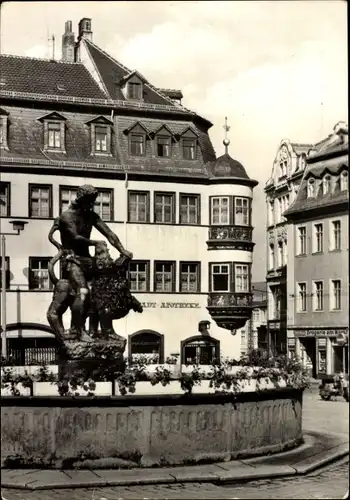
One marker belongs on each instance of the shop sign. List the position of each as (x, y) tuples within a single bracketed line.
[(319, 333), (171, 305)]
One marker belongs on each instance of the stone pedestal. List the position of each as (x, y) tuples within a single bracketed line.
[(97, 360)]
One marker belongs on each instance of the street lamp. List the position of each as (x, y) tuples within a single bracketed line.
[(18, 226)]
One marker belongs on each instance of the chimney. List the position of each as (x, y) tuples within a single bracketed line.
[(85, 29), (68, 43)]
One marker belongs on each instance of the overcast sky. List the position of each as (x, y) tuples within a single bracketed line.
[(277, 69)]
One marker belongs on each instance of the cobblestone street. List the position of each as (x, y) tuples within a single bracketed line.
[(331, 482)]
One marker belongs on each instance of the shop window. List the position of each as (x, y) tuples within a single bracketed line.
[(146, 344), (199, 350)]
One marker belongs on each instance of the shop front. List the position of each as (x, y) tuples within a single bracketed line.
[(324, 351)]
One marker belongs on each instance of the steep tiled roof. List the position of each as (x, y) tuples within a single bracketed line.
[(113, 72), (43, 76), (226, 166), (25, 140)]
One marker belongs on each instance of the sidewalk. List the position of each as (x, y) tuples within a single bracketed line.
[(318, 450)]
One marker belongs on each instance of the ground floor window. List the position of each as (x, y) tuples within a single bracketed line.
[(146, 344), (33, 351), (199, 350)]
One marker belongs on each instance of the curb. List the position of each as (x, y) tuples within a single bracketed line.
[(217, 474)]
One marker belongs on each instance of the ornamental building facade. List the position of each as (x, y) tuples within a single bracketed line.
[(185, 214), (318, 259), (281, 190)]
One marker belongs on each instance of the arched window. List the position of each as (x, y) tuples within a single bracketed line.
[(146, 343), (326, 184), (200, 350), (344, 186), (31, 344), (311, 188)]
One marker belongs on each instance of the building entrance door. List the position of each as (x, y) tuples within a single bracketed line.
[(340, 359), (309, 354)]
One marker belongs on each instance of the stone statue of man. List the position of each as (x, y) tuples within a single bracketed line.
[(75, 225)]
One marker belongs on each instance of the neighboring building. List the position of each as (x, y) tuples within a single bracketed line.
[(318, 259), (281, 190), (185, 214), (254, 333)]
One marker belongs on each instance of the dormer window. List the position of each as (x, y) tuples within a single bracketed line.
[(137, 135), (134, 90), (137, 144), (101, 132), (326, 184), (189, 140), (3, 128), (189, 149), (311, 188), (163, 141), (163, 146), (344, 181), (54, 132)]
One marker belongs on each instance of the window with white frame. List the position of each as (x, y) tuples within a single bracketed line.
[(241, 211), (189, 149), (104, 204), (271, 256), (40, 201), (335, 236), (5, 204), (101, 134), (344, 185), (275, 302), (3, 130), (256, 315), (241, 278), (301, 242), (139, 276), (137, 144), (164, 276), (138, 206), (189, 209), (67, 195), (220, 278), (301, 297), (219, 210), (326, 184), (164, 208), (318, 237), (54, 135), (318, 295), (335, 298), (189, 277), (311, 188), (164, 146), (38, 273)]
